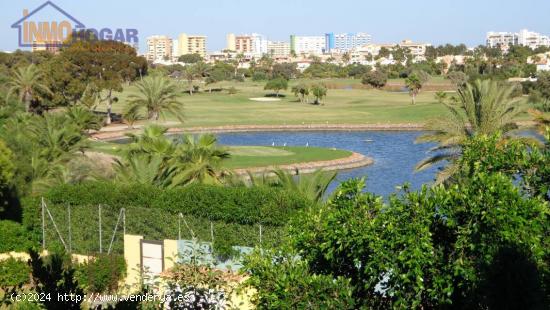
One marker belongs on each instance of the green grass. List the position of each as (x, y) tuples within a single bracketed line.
[(260, 156), (252, 156), (342, 106)]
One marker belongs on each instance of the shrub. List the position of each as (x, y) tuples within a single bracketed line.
[(101, 274), (13, 273), (14, 237)]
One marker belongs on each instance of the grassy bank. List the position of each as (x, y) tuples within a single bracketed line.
[(253, 156)]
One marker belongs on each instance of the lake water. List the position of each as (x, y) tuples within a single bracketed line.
[(394, 152)]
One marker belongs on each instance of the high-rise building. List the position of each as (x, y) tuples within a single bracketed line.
[(315, 45), (502, 39), (191, 44), (253, 44), (259, 44), (532, 39), (231, 42), (278, 48), (159, 48), (523, 37), (345, 42), (240, 44)]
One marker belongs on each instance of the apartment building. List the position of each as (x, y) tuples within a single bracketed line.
[(502, 39), (523, 37), (278, 49), (254, 44), (344, 42), (191, 44), (532, 39), (313, 45), (239, 43), (159, 48)]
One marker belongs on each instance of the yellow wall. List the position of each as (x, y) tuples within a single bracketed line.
[(132, 255), (170, 253)]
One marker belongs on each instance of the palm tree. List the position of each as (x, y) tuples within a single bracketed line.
[(26, 82), (144, 169), (190, 73), (169, 162), (482, 108), (199, 159), (158, 95), (312, 186), (414, 84), (83, 118)]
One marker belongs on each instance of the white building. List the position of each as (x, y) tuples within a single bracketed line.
[(278, 49), (345, 42), (523, 37), (532, 39), (502, 39), (313, 45), (259, 45)]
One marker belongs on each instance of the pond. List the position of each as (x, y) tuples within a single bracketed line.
[(394, 152)]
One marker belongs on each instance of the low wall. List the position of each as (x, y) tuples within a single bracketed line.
[(356, 160)]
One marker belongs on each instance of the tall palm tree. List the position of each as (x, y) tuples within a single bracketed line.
[(26, 82), (158, 96), (482, 107)]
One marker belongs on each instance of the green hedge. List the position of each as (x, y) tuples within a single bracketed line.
[(14, 237), (241, 205), (234, 213)]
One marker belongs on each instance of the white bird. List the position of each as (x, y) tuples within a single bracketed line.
[(307, 144), (284, 144), (273, 143)]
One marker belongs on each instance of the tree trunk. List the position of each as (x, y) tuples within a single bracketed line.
[(413, 98), (109, 108), (190, 88), (27, 100)]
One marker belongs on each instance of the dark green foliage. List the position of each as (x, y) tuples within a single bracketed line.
[(276, 85), (283, 281), (259, 76), (152, 212), (357, 71), (229, 204), (440, 247), (101, 274), (14, 237), (286, 71), (190, 58), (53, 275), (375, 79), (539, 95), (13, 273)]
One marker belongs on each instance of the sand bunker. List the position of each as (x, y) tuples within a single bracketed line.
[(265, 99)]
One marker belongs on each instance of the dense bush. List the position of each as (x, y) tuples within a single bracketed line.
[(13, 273), (284, 282), (235, 214), (241, 205), (14, 237), (450, 247), (101, 274)]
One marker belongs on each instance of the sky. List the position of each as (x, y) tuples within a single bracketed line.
[(431, 21)]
